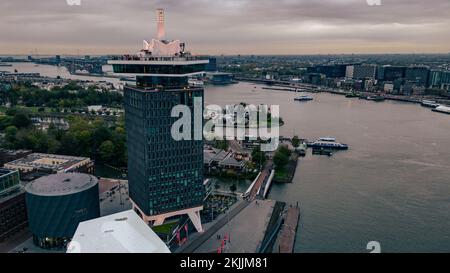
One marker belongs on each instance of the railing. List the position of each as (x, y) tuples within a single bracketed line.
[(156, 58)]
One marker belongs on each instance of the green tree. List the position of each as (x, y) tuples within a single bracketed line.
[(106, 151), (280, 160), (10, 134), (281, 157), (258, 157), (221, 144), (21, 120)]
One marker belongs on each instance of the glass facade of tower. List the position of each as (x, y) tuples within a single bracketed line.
[(164, 175)]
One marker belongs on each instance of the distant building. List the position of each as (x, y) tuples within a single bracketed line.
[(52, 163), (56, 204), (361, 72), (13, 214), (445, 80), (330, 71), (212, 65), (314, 78), (123, 232), (388, 87), (391, 73), (435, 78), (417, 74)]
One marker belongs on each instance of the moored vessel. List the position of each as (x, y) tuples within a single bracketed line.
[(327, 143), (429, 103), (442, 109), (303, 98)]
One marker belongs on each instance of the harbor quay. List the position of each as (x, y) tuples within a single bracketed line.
[(250, 230)]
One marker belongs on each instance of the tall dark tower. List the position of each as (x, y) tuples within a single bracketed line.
[(165, 175)]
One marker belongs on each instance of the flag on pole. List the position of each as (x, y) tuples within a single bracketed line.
[(178, 237)]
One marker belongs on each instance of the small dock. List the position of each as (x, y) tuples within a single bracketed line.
[(286, 240)]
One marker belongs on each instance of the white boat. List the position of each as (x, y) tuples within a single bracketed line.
[(303, 98), (328, 139), (195, 82), (429, 103), (442, 109), (328, 143)]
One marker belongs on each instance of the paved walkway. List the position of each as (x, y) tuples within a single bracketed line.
[(197, 239), (245, 231)]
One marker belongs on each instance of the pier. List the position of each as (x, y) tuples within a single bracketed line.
[(286, 239)]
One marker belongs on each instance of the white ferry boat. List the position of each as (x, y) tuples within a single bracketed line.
[(328, 143)]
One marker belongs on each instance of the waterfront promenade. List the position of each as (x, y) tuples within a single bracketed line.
[(286, 240), (197, 239)]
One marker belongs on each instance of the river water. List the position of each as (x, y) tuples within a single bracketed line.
[(55, 71), (392, 186)]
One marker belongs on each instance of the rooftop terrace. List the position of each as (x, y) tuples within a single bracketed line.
[(58, 163)]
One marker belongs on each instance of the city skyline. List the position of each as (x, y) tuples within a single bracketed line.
[(225, 27)]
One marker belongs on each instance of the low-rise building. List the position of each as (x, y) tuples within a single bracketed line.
[(54, 163), (217, 158), (124, 232)]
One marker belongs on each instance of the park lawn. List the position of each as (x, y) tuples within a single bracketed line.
[(165, 228), (281, 174)]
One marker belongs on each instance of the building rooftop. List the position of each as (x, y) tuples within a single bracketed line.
[(61, 184), (231, 161), (123, 232), (59, 163), (214, 155)]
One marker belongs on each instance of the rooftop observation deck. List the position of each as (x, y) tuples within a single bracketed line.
[(158, 60)]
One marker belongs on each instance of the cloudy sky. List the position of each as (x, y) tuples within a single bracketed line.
[(227, 26)]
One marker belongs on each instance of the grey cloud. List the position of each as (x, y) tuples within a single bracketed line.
[(213, 26)]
